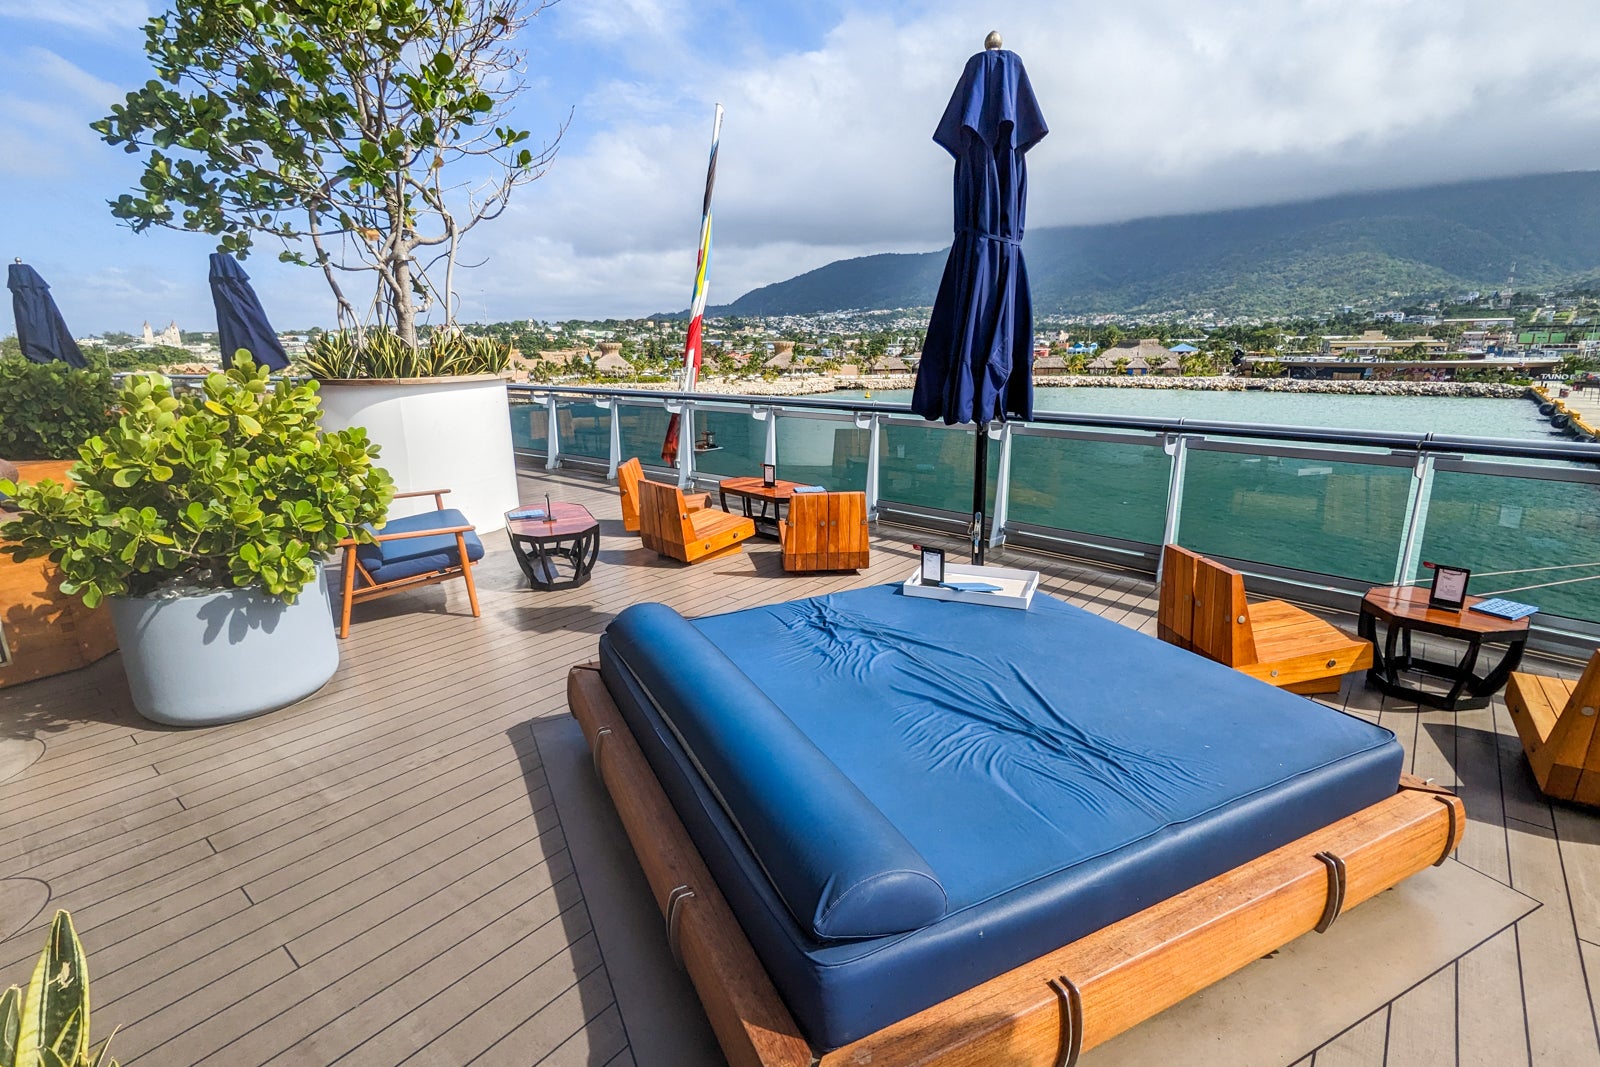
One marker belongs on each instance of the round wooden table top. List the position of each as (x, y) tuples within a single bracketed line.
[(1409, 603), (567, 520), (778, 490)]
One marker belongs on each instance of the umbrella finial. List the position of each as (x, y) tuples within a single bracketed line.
[(993, 40)]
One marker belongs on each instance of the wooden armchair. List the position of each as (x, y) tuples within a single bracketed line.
[(825, 532), (1203, 609), (668, 526), (629, 475), (417, 550), (1555, 719)]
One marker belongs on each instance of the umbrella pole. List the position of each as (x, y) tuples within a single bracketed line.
[(980, 487)]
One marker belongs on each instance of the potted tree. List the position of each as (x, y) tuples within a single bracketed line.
[(47, 410), (439, 410), (202, 519)]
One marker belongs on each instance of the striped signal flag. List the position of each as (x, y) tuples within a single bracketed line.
[(692, 345)]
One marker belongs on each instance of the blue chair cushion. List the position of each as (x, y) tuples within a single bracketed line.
[(407, 557)]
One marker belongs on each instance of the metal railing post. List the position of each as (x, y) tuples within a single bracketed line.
[(874, 453), (686, 446), (552, 436), (769, 454), (616, 437), (1176, 446), (1002, 487), (1416, 518)]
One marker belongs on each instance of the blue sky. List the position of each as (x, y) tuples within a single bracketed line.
[(1155, 107)]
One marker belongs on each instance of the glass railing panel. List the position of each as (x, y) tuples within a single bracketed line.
[(643, 430), (1320, 515), (530, 424), (1104, 488), (930, 466), (827, 452), (728, 443), (1514, 533), (583, 429)]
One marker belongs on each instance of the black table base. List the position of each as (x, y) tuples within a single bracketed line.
[(1394, 656), (765, 520), (563, 561)]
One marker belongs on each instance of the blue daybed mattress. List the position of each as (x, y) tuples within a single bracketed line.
[(902, 798)]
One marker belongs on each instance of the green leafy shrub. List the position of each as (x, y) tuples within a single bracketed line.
[(382, 354), (230, 485), (48, 409), (48, 1026)]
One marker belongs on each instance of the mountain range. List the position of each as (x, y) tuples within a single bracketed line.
[(1309, 257)]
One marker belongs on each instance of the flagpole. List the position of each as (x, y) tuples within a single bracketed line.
[(693, 343)]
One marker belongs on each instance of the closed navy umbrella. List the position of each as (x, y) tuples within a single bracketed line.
[(241, 323), (977, 360), (41, 330)]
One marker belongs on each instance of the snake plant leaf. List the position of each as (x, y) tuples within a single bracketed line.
[(55, 1010), (10, 1025)]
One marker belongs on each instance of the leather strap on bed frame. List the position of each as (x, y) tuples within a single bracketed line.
[(1071, 1020), (1336, 887)]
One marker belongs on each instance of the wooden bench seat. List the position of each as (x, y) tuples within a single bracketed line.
[(670, 528), (629, 475), (1203, 608), (1555, 720), (826, 532)]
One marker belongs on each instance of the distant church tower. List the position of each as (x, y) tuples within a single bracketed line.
[(171, 336), (149, 338)]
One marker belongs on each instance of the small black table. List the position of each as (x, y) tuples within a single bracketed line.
[(1404, 610), (566, 540)]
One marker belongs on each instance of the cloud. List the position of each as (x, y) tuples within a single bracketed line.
[(1156, 107), (50, 71), (99, 17), (46, 124)]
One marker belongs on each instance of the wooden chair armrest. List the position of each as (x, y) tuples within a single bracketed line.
[(351, 542), (437, 494), (425, 533)]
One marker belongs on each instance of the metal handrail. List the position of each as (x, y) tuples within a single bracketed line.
[(1569, 451)]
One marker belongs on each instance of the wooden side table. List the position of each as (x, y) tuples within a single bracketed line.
[(773, 498), (556, 552), (1404, 610)]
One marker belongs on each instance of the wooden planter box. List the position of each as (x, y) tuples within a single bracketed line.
[(46, 631)]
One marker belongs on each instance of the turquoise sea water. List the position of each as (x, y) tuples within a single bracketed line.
[(1417, 414), (1325, 515)]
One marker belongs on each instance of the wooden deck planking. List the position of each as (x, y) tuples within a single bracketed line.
[(379, 873), (1422, 1024)]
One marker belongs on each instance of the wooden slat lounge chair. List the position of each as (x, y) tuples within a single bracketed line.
[(416, 550), (667, 526), (1202, 608), (825, 532), (629, 475), (1555, 719)]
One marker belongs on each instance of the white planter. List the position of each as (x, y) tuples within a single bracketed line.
[(218, 657), (436, 433)]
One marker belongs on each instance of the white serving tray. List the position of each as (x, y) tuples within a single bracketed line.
[(1016, 587)]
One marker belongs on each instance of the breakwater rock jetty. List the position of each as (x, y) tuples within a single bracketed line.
[(811, 384)]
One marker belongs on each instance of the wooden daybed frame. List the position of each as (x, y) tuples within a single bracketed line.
[(1044, 1012)]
